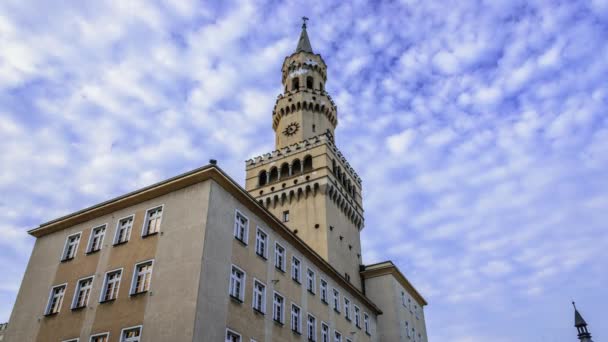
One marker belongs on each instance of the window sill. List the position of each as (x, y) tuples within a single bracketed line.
[(296, 281), (336, 310), (261, 256), (358, 327), (278, 322), (280, 269), (367, 333), (92, 252), (311, 292), (51, 314), (259, 312), (296, 332), (149, 235), (236, 299), (324, 302), (120, 243), (78, 308), (67, 259), (242, 242), (348, 319), (137, 294), (107, 301)]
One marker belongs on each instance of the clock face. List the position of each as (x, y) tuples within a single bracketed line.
[(291, 129)]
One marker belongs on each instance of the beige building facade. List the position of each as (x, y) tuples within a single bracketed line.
[(199, 258)]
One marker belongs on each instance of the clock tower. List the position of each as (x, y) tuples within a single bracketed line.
[(306, 182)]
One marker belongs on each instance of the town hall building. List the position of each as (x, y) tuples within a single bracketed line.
[(198, 257)]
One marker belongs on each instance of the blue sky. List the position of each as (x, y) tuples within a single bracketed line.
[(479, 128)]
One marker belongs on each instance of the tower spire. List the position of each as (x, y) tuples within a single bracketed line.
[(581, 326), (304, 42)]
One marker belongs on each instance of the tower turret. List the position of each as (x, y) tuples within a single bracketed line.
[(581, 326), (304, 109)]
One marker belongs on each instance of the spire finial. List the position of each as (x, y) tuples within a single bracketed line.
[(304, 20), (304, 42), (574, 304)]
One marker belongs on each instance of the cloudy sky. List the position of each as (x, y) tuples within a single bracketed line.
[(480, 131)]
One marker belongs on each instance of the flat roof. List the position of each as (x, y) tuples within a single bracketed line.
[(389, 268)]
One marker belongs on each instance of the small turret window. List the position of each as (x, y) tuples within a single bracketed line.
[(295, 83), (309, 82), (321, 86)]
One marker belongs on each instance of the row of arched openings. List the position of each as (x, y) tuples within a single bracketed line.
[(286, 170), (310, 81), (343, 178)]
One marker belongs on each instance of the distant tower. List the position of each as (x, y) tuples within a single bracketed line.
[(581, 326)]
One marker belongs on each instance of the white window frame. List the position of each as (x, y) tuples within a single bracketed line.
[(312, 338), (366, 323), (407, 329), (77, 291), (232, 332), (105, 334), (416, 311), (134, 278), (298, 316), (241, 295), (274, 313), (141, 332), (47, 310), (311, 280), (255, 297), (296, 270), (105, 283), (336, 299), (346, 308), (117, 232), (285, 217), (237, 225), (266, 243), (144, 231), (349, 340), (65, 247), (325, 334), (357, 316), (91, 236), (323, 290), (72, 340), (337, 336), (284, 256)]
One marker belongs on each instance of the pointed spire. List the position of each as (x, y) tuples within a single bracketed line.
[(304, 42), (578, 319)]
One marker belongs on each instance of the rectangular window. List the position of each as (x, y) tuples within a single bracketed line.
[(295, 269), (336, 300), (237, 283), (278, 306), (407, 329), (82, 293), (96, 239), (413, 332), (324, 332), (311, 328), (111, 283), (241, 227), (403, 301), (259, 296), (55, 300), (132, 334), (366, 323), (279, 257), (100, 337), (123, 230), (142, 276), (323, 291), (419, 337), (261, 243), (286, 216), (311, 281), (357, 317), (232, 336), (152, 222), (337, 336), (296, 319), (416, 311), (347, 308), (71, 245), (409, 304)]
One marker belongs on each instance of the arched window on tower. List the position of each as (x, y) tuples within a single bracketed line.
[(307, 163), (295, 83), (296, 167), (285, 170), (309, 82), (321, 86), (274, 175), (262, 178)]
